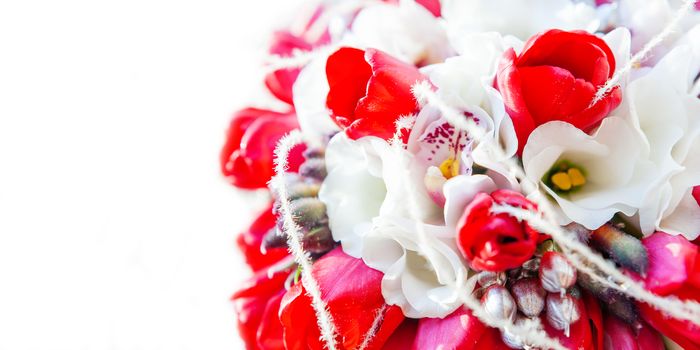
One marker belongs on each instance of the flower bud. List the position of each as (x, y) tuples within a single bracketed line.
[(622, 248), (318, 241), (512, 340), (314, 152), (309, 213), (529, 296), (314, 168), (274, 238), (562, 311), (498, 303), (488, 278), (616, 303), (582, 233), (303, 189), (556, 272)]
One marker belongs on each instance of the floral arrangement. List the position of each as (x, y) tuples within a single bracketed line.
[(461, 174)]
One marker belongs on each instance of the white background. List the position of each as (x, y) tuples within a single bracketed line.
[(116, 230)]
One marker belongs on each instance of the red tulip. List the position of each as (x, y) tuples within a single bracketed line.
[(281, 81), (369, 91), (620, 336), (496, 242), (459, 330), (674, 269), (353, 294), (556, 77), (249, 242), (696, 194), (248, 154), (403, 337), (587, 332), (257, 304)]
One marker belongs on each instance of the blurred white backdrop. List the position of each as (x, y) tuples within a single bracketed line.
[(116, 230)]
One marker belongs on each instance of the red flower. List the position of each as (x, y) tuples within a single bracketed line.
[(248, 154), (249, 242), (587, 332), (257, 305), (459, 330), (620, 336), (674, 269), (555, 77), (496, 242), (281, 81), (369, 91), (696, 194), (353, 294)]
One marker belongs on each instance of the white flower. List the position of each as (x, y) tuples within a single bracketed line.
[(365, 196), (466, 83), (618, 177), (666, 112), (520, 18), (647, 18), (406, 31), (419, 275)]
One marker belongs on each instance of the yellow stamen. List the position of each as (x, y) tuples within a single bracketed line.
[(562, 181), (449, 168), (576, 176)]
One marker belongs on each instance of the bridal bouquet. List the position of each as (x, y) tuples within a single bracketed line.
[(462, 174)]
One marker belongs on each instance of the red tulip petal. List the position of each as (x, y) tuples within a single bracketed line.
[(595, 315), (247, 156), (270, 332), (590, 118), (369, 91), (696, 194), (403, 337), (649, 339), (685, 333), (459, 330), (581, 335), (576, 51), (251, 302), (619, 335), (671, 262), (298, 320), (552, 93), (280, 82), (354, 299), (249, 242), (509, 84), (348, 74)]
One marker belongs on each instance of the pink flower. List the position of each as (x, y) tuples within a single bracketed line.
[(353, 294), (247, 158), (555, 77), (674, 269), (369, 91)]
